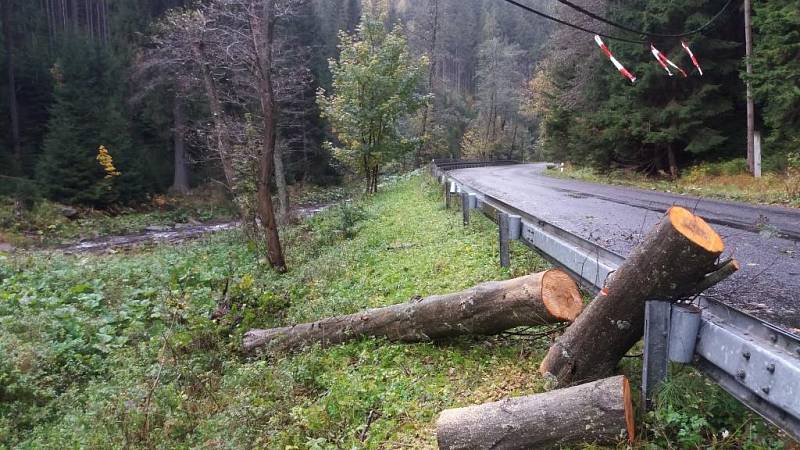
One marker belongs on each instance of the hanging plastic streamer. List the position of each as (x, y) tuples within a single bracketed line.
[(691, 55), (614, 61), (664, 61)]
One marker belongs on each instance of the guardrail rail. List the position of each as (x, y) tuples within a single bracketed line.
[(756, 362)]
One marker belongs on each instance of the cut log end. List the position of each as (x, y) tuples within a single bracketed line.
[(630, 421), (560, 295), (598, 412), (695, 229)]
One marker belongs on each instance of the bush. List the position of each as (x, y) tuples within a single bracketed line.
[(341, 222), (21, 189)]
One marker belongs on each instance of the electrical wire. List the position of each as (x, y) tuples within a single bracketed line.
[(662, 35), (571, 25)]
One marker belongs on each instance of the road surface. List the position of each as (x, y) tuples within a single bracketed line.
[(765, 239)]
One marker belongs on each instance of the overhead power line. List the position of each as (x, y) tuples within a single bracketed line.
[(572, 25), (615, 24), (645, 33)]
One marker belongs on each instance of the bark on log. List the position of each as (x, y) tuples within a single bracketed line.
[(488, 308), (672, 262), (598, 412)]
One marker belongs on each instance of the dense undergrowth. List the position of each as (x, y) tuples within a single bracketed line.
[(119, 351), (727, 180)]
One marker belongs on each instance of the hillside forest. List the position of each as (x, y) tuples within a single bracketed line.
[(176, 95), (283, 142)]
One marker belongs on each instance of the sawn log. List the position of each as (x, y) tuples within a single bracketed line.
[(488, 308), (598, 412), (677, 259)]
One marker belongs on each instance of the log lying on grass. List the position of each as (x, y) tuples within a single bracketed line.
[(677, 259), (597, 412), (488, 308)]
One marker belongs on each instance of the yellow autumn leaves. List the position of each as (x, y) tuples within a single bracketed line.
[(105, 160)]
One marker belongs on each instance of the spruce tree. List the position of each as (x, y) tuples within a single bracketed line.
[(659, 122), (776, 71), (87, 112)]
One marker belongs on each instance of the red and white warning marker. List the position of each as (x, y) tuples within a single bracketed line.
[(691, 55), (664, 61), (614, 61)]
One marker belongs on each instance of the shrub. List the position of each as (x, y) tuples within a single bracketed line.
[(341, 222)]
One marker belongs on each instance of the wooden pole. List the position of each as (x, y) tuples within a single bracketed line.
[(599, 412), (748, 39)]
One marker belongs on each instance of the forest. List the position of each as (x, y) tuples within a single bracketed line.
[(155, 82), (301, 128)]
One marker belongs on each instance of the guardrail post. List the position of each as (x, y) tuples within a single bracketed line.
[(656, 349), (502, 224), (465, 207), (683, 327), (446, 195), (514, 227)]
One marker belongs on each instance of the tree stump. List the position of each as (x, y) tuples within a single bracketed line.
[(674, 260), (598, 412), (488, 308)]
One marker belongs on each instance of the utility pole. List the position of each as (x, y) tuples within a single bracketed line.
[(748, 42)]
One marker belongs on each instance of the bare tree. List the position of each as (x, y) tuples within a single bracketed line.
[(248, 30), (181, 53), (246, 72)]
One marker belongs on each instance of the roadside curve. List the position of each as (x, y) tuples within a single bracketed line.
[(765, 239)]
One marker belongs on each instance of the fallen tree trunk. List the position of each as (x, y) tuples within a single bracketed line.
[(598, 412), (488, 308), (677, 259)]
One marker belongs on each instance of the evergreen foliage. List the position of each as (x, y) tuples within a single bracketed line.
[(87, 113), (776, 71), (659, 122)]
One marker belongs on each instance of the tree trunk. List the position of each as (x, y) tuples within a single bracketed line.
[(423, 149), (672, 262), (599, 412), (13, 109), (263, 34), (488, 308), (180, 180), (280, 182), (220, 129), (673, 162)]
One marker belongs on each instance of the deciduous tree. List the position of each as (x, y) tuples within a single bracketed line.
[(375, 85)]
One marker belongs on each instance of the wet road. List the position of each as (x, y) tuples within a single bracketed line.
[(765, 239)]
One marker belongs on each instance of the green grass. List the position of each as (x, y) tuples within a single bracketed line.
[(726, 180), (118, 351)]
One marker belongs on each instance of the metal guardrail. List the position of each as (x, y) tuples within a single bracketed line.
[(754, 361), (454, 164)]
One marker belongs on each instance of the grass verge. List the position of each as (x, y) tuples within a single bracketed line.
[(118, 351), (726, 181)]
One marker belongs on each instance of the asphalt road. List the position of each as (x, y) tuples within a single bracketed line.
[(765, 239)]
